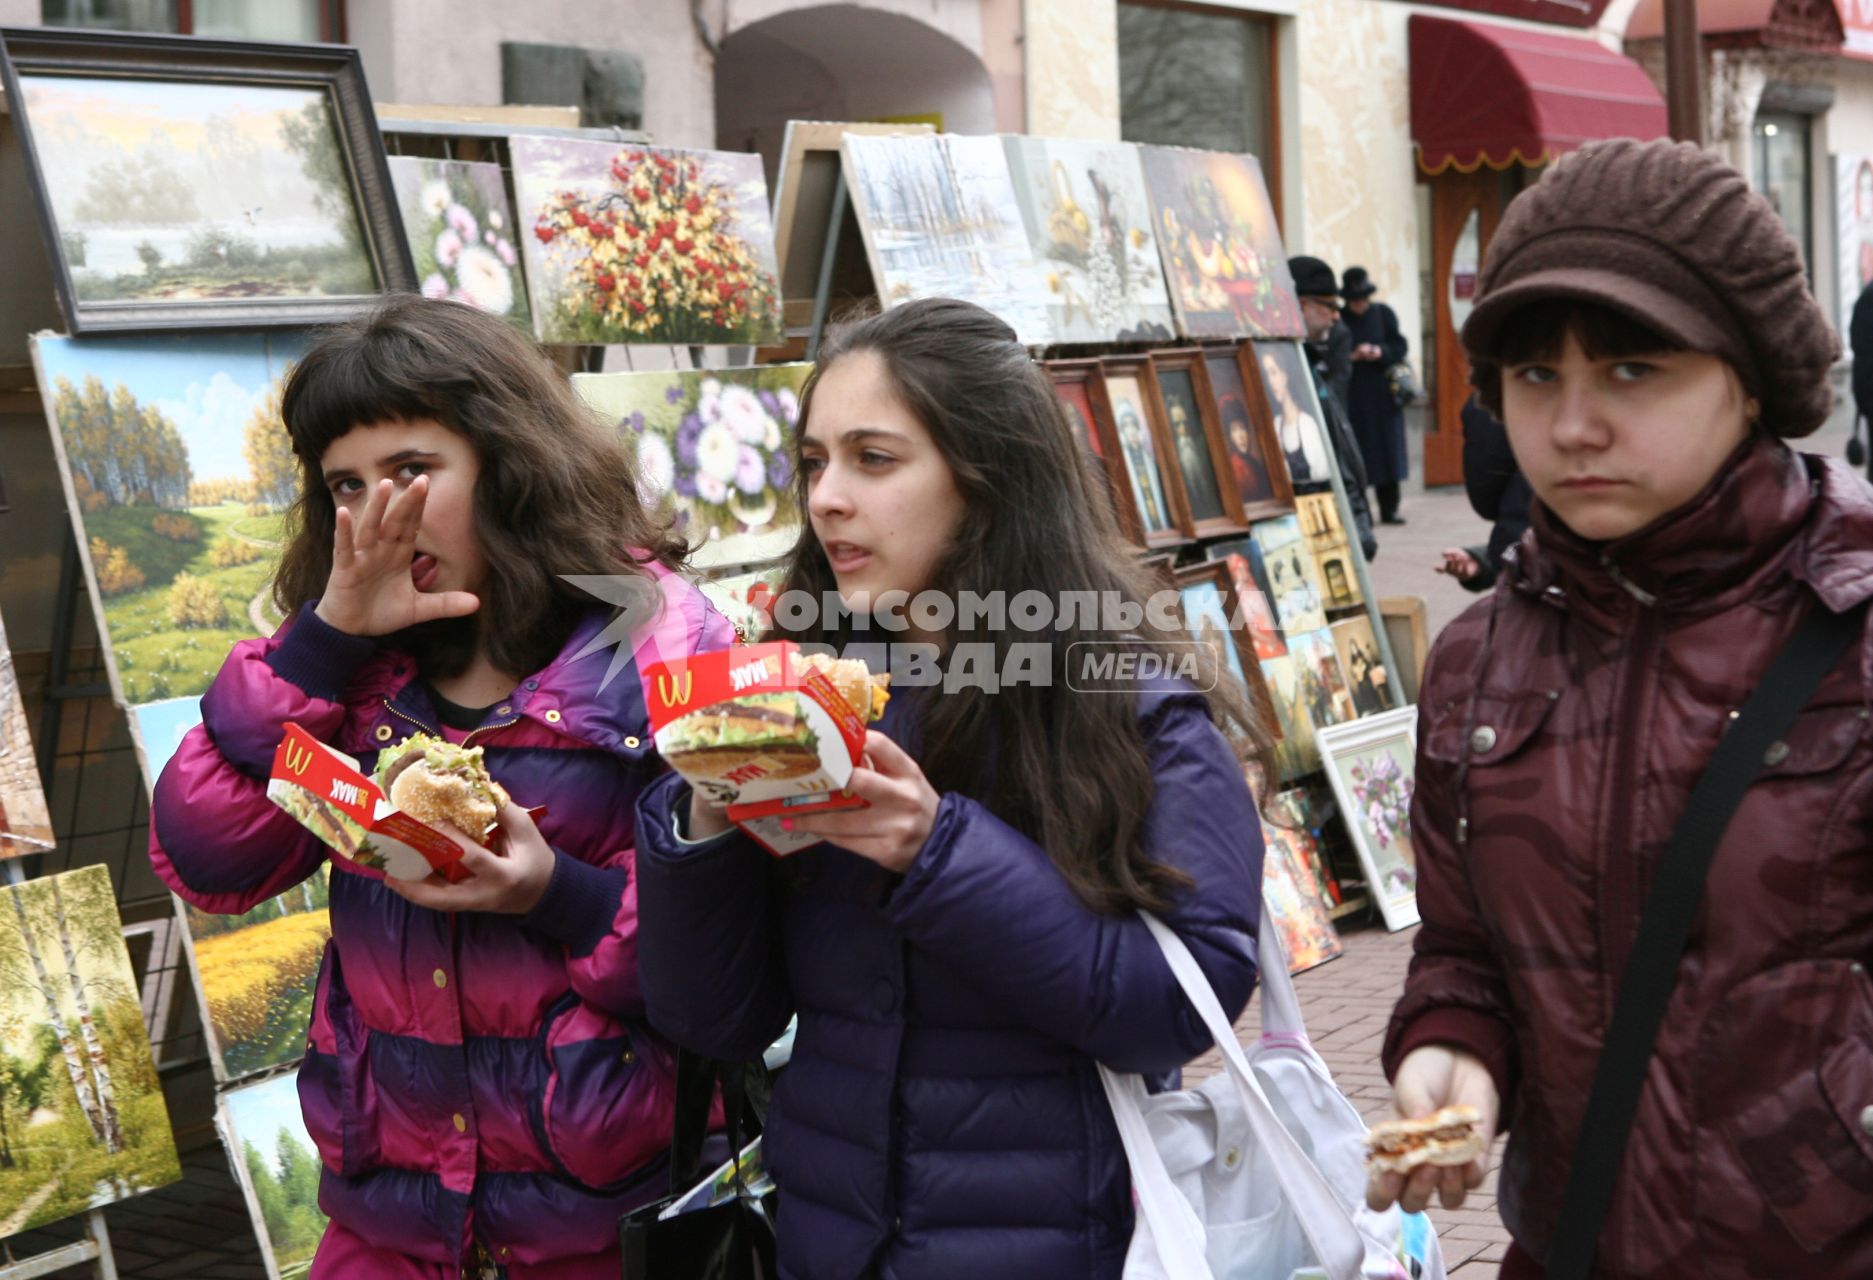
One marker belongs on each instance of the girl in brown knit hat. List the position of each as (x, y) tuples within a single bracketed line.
[(1645, 329)]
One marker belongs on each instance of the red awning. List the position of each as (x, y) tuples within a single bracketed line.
[(1483, 94)]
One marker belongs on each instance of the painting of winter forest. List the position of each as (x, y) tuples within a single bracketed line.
[(82, 1120), (278, 1168), (178, 471), (164, 191), (257, 972)]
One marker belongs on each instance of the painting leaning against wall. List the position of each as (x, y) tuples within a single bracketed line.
[(82, 1118), (278, 1169), (461, 232), (178, 471), (25, 824)]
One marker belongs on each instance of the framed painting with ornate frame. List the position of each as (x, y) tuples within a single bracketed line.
[(192, 183), (1195, 443), (1082, 388), (1248, 429), (1148, 478)]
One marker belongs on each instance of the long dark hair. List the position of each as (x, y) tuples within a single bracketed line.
[(1070, 769), (558, 489)]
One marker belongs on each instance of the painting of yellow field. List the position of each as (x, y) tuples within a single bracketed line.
[(25, 825), (256, 973), (82, 1121)]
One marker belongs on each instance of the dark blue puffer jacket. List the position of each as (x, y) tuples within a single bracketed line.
[(942, 1116)]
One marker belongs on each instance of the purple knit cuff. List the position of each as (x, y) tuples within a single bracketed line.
[(580, 905), (318, 657)]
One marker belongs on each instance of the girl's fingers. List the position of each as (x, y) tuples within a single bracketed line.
[(444, 604), (404, 515), (888, 757), (341, 538), (364, 535)]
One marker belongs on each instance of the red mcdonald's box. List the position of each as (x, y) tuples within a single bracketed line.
[(330, 797), (758, 732)]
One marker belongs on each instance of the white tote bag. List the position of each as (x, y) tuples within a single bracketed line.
[(1259, 1172)]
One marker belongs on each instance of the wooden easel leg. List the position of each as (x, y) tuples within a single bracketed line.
[(822, 296), (100, 1233)]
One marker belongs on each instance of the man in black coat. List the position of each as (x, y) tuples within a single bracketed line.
[(1318, 290), (1378, 420)]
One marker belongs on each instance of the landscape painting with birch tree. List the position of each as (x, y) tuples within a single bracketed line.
[(82, 1120)]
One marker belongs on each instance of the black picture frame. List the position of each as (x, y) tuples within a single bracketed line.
[(335, 71)]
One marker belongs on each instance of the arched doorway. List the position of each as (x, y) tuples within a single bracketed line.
[(843, 62)]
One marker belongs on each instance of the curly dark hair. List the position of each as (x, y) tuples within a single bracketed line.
[(558, 488), (1036, 520)]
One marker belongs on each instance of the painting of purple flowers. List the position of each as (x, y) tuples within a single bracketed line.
[(1371, 764), (717, 445)]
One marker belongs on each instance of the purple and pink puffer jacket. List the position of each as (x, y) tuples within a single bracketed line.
[(468, 1076)]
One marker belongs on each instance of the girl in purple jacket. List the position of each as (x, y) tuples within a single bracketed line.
[(964, 951), (478, 1078)]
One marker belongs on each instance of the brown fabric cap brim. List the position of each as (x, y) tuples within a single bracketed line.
[(1667, 312)]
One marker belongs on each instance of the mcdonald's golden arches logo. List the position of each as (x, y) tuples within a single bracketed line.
[(298, 756), (676, 692)]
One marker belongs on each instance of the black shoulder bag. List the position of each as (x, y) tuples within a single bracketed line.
[(733, 1240), (1652, 972)]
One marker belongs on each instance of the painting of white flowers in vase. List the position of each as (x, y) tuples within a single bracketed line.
[(461, 231), (716, 445)]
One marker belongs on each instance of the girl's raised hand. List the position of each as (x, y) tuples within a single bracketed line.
[(370, 591), (902, 809)]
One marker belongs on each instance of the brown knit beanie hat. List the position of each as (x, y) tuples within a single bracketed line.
[(1671, 236)]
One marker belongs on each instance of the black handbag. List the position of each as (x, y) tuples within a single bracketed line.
[(733, 1240), (1665, 927)]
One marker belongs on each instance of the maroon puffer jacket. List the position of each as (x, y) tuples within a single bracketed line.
[(1562, 725)]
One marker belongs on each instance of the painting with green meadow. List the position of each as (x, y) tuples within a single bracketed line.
[(82, 1120), (178, 473)]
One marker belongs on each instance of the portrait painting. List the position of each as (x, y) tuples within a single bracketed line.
[(1241, 414), (1138, 451), (1288, 386), (1366, 677), (1191, 445)]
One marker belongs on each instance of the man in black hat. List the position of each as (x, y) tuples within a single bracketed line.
[(1329, 346), (1377, 417)]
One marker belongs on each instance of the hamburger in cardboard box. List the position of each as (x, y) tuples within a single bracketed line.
[(384, 821), (765, 730)]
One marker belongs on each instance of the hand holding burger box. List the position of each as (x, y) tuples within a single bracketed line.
[(383, 821), (765, 731)]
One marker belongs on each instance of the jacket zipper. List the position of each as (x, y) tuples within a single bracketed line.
[(437, 733), (1620, 905)]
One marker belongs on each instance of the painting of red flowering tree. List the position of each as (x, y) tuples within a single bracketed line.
[(628, 243)]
